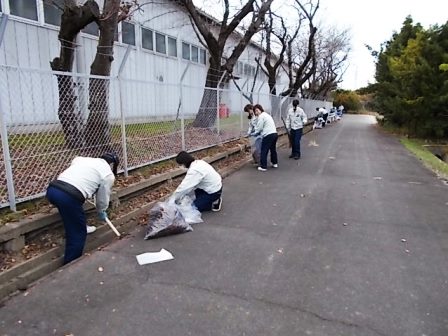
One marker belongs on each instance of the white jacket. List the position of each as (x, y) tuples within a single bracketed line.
[(265, 125), (90, 176), (200, 175), (295, 119)]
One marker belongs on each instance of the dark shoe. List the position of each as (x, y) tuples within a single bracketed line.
[(296, 157), (216, 206), (291, 156)]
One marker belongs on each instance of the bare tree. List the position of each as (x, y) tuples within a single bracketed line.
[(300, 71), (216, 43), (333, 47), (74, 18)]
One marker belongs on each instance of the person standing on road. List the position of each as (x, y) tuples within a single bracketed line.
[(266, 128), (295, 120), (203, 179), (84, 178), (255, 141)]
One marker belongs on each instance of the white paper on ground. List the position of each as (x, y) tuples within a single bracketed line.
[(153, 257)]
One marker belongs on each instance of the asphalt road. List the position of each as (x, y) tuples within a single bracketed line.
[(278, 259)]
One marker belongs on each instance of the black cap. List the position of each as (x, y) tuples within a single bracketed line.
[(112, 158)]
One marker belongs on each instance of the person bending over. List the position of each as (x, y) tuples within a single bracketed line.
[(203, 179)]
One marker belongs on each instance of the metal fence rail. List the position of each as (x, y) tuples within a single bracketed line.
[(47, 118)]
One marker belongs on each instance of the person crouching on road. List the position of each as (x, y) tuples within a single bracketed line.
[(255, 141), (203, 179), (295, 120), (84, 178), (266, 128)]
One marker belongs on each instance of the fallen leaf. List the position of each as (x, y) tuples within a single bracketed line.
[(407, 251), (403, 240), (280, 250), (345, 224)]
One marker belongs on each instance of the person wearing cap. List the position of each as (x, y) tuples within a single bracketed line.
[(84, 178), (203, 179)]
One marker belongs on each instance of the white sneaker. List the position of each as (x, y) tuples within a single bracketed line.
[(216, 206), (91, 229), (275, 166), (262, 169)]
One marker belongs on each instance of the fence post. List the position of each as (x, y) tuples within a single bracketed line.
[(218, 122), (4, 135), (181, 106), (241, 114), (123, 118)]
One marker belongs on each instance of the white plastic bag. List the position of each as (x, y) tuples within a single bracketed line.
[(189, 211), (166, 219)]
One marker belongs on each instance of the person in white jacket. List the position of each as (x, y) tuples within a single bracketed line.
[(266, 129), (295, 120), (84, 178), (255, 141), (201, 178)]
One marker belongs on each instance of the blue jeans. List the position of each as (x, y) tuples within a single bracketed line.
[(296, 136), (204, 200), (268, 144), (74, 219)]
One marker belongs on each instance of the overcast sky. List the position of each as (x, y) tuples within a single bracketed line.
[(369, 22), (373, 22)]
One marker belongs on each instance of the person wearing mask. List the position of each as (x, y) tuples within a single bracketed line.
[(84, 178), (295, 120), (266, 129), (255, 141), (201, 178)]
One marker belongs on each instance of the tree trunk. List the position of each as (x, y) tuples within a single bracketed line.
[(73, 19), (98, 129), (206, 117)]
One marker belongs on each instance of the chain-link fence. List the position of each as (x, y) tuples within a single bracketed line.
[(48, 118)]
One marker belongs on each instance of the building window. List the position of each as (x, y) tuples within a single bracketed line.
[(195, 54), (185, 51), (203, 57), (24, 8), (52, 13), (92, 29), (172, 47), (147, 39), (128, 33), (160, 43)]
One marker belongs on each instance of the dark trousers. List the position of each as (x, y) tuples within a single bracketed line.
[(268, 144), (296, 136), (74, 219), (204, 200)]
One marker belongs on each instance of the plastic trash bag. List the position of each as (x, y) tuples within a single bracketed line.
[(166, 219), (191, 214)]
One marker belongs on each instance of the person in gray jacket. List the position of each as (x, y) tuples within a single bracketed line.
[(84, 178), (295, 120)]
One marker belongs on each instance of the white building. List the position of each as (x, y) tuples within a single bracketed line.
[(162, 45)]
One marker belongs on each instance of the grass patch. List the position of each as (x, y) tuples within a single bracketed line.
[(415, 146)]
